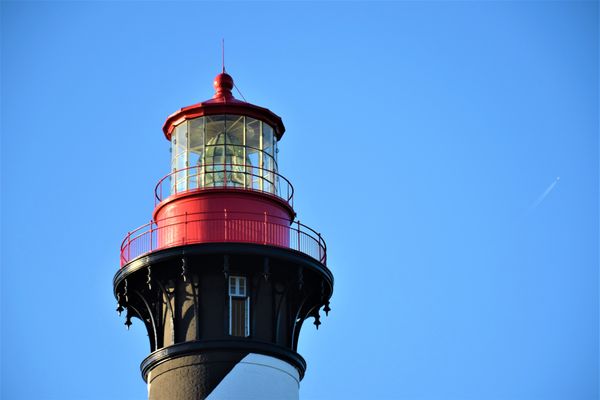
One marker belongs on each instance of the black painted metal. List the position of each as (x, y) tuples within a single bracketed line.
[(181, 295), (164, 295), (151, 320), (243, 345), (289, 255)]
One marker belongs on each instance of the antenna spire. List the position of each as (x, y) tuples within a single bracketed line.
[(223, 54)]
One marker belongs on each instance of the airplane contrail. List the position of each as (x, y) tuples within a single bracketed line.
[(545, 194)]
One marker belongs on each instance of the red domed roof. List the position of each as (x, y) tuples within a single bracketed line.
[(223, 102)]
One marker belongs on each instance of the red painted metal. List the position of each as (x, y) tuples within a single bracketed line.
[(223, 102), (222, 227), (251, 207), (223, 84), (215, 200)]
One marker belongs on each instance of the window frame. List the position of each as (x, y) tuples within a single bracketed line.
[(237, 293)]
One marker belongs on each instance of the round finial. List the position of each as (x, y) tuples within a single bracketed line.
[(223, 84)]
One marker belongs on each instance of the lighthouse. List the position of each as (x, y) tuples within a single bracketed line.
[(224, 276)]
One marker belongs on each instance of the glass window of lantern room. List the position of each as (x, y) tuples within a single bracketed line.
[(196, 153), (275, 166), (252, 152), (267, 146), (275, 152), (235, 153), (180, 161), (239, 307), (214, 150)]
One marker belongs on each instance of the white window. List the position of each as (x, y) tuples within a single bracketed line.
[(239, 307)]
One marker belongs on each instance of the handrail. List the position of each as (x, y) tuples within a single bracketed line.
[(196, 181), (227, 227), (245, 146)]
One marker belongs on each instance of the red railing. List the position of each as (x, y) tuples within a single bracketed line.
[(210, 176), (223, 227)]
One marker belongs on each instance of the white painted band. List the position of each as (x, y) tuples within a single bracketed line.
[(258, 376)]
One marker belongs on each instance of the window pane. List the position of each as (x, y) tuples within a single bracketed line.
[(252, 134), (242, 286), (196, 136), (173, 143), (181, 135), (179, 146), (267, 139), (235, 129), (238, 317), (252, 144), (215, 138), (195, 152), (215, 126), (180, 181), (234, 150), (238, 306), (267, 162), (196, 133), (235, 165), (180, 161), (214, 157), (232, 285)]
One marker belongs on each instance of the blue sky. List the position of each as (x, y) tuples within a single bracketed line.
[(420, 137)]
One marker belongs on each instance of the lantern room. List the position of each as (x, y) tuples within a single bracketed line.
[(224, 150), (224, 143)]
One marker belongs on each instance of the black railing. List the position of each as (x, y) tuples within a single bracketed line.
[(210, 176)]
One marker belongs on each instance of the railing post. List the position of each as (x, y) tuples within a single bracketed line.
[(245, 173), (198, 177), (201, 173), (225, 223), (151, 232), (320, 247), (128, 246), (298, 235), (265, 228)]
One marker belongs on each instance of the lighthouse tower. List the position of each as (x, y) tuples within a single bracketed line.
[(224, 276)]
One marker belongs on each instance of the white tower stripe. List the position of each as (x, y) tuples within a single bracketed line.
[(258, 376)]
